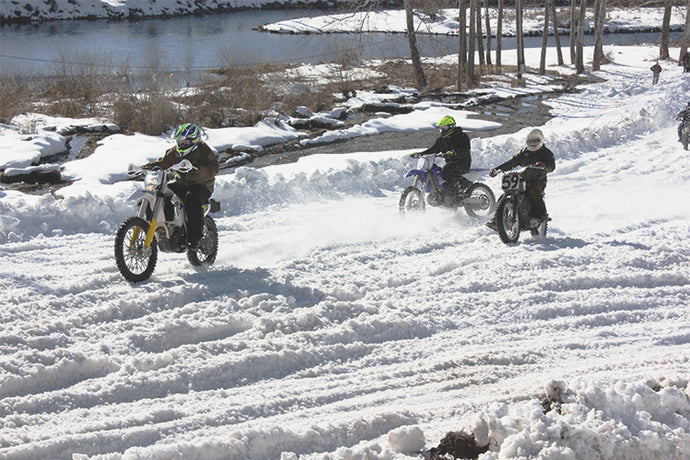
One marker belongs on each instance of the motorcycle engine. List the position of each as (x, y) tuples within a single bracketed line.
[(176, 242), (435, 199)]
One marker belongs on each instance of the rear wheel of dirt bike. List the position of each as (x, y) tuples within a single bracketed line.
[(481, 201), (411, 200), (685, 139), (208, 245), (508, 221), (134, 260)]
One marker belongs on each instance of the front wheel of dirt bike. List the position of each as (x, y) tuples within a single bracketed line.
[(134, 260), (208, 245), (411, 200), (508, 221), (479, 201)]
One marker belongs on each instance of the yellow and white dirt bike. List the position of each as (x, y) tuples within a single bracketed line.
[(160, 224)]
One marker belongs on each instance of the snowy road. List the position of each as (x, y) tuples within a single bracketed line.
[(327, 323)]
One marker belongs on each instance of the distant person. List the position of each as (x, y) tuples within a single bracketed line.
[(454, 144), (195, 187), (684, 118), (542, 161), (685, 61), (656, 71)]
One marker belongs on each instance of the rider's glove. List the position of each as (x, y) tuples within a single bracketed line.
[(493, 172)]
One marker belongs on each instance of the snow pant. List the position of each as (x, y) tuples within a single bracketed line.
[(455, 182), (192, 196), (535, 195)]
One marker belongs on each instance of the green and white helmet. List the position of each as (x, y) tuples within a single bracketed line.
[(446, 123), (187, 138)]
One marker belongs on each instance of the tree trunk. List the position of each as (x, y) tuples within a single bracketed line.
[(579, 52), (557, 36), (573, 30), (544, 39), (599, 17), (520, 39), (462, 36), (665, 27), (414, 50), (480, 34), (488, 33), (499, 36), (686, 33), (470, 44)]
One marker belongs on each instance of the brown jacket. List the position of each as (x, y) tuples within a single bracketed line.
[(202, 158)]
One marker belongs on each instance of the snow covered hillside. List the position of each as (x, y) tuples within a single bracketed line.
[(46, 10), (331, 327)]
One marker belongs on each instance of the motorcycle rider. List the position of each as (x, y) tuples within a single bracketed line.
[(454, 144), (684, 118), (194, 188), (538, 155)]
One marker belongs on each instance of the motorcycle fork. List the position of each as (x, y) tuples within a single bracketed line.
[(152, 223)]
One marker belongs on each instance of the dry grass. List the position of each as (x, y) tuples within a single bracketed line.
[(235, 96)]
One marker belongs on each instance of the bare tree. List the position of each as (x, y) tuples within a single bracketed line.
[(414, 50), (665, 27), (557, 36), (471, 42), (544, 39), (579, 52), (488, 32), (520, 38), (573, 30), (686, 33), (499, 35), (480, 34), (599, 17), (462, 42)]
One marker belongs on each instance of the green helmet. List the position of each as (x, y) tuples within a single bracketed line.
[(446, 123), (187, 137)]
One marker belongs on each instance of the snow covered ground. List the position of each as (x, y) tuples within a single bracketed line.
[(446, 22), (331, 327)]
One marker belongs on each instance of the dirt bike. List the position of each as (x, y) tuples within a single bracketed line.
[(160, 224), (684, 134), (477, 199), (512, 209)]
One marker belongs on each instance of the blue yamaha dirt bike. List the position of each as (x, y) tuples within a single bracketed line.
[(428, 188)]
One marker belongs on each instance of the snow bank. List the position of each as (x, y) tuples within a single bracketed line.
[(592, 419)]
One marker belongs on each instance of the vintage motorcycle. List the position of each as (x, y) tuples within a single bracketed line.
[(477, 199), (160, 224), (512, 209)]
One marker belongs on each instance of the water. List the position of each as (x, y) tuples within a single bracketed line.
[(191, 45)]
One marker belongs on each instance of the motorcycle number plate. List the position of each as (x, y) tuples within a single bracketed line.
[(510, 182)]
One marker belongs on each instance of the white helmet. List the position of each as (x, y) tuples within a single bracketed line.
[(535, 140)]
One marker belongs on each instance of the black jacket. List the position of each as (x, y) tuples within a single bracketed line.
[(684, 116), (455, 145), (527, 157)]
